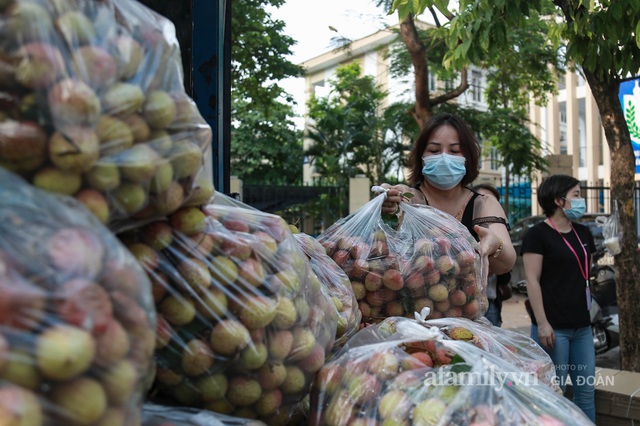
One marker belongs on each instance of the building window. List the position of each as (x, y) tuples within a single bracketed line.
[(433, 82), (494, 159), (476, 86), (448, 85)]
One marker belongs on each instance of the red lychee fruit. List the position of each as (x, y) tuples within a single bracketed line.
[(392, 279)]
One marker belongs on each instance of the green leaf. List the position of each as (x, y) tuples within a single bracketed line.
[(638, 34)]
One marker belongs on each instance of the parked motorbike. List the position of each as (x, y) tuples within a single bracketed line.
[(604, 308)]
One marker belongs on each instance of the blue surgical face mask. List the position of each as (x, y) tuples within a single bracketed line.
[(444, 171), (578, 207)]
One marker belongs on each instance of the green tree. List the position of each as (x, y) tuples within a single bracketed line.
[(511, 78), (265, 146), (349, 130), (603, 40)]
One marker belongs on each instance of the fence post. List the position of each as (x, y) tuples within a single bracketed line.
[(359, 192), (235, 185)]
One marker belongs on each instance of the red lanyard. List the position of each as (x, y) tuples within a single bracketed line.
[(585, 271)]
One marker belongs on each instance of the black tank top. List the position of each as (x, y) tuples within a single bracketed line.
[(467, 216)]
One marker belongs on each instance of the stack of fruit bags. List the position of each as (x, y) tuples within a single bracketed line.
[(336, 284), (512, 347), (242, 325), (158, 415), (379, 377), (93, 106), (77, 324), (431, 260)]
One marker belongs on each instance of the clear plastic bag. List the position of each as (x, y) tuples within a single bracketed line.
[(430, 261), (243, 326), (336, 284), (94, 106), (512, 347), (158, 415), (77, 322), (380, 377), (611, 230)]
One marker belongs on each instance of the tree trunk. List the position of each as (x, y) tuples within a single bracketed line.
[(423, 108), (627, 263)]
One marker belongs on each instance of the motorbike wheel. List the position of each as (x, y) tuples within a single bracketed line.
[(600, 338)]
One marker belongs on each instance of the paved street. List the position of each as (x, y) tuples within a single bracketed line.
[(514, 317)]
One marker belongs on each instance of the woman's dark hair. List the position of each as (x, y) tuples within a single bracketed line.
[(468, 146), (552, 187), (492, 189)]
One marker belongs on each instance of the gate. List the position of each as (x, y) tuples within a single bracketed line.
[(311, 208)]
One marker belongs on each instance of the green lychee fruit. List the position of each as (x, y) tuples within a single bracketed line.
[(428, 412), (253, 356), (138, 163), (228, 337), (212, 387), (128, 54), (120, 381), (304, 340), (177, 310), (271, 375), (52, 179), (294, 381), (186, 158), (122, 99), (81, 401), (114, 135), (76, 28), (129, 197), (104, 176), (286, 314), (188, 220), (72, 102), (159, 110), (256, 311), (243, 391), (94, 65), (74, 149), (64, 352), (40, 65), (280, 344), (197, 358)]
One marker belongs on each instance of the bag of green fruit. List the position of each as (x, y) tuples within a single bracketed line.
[(159, 415), (381, 377), (77, 322), (337, 286), (431, 260), (94, 107), (243, 324), (512, 347)]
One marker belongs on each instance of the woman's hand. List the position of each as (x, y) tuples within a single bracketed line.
[(394, 195), (489, 241), (545, 335)]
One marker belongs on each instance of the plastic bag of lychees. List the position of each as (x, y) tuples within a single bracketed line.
[(94, 106), (513, 347), (336, 284), (77, 322), (431, 260), (243, 324), (161, 415), (382, 377)]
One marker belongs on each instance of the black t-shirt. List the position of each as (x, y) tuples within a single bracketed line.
[(563, 285)]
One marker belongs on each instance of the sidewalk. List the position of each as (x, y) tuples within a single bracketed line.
[(514, 317)]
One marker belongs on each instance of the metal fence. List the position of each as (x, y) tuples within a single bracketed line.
[(319, 206)]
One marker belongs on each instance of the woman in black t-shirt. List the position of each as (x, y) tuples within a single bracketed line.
[(557, 258)]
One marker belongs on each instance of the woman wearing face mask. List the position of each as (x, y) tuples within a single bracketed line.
[(443, 161), (557, 257)]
